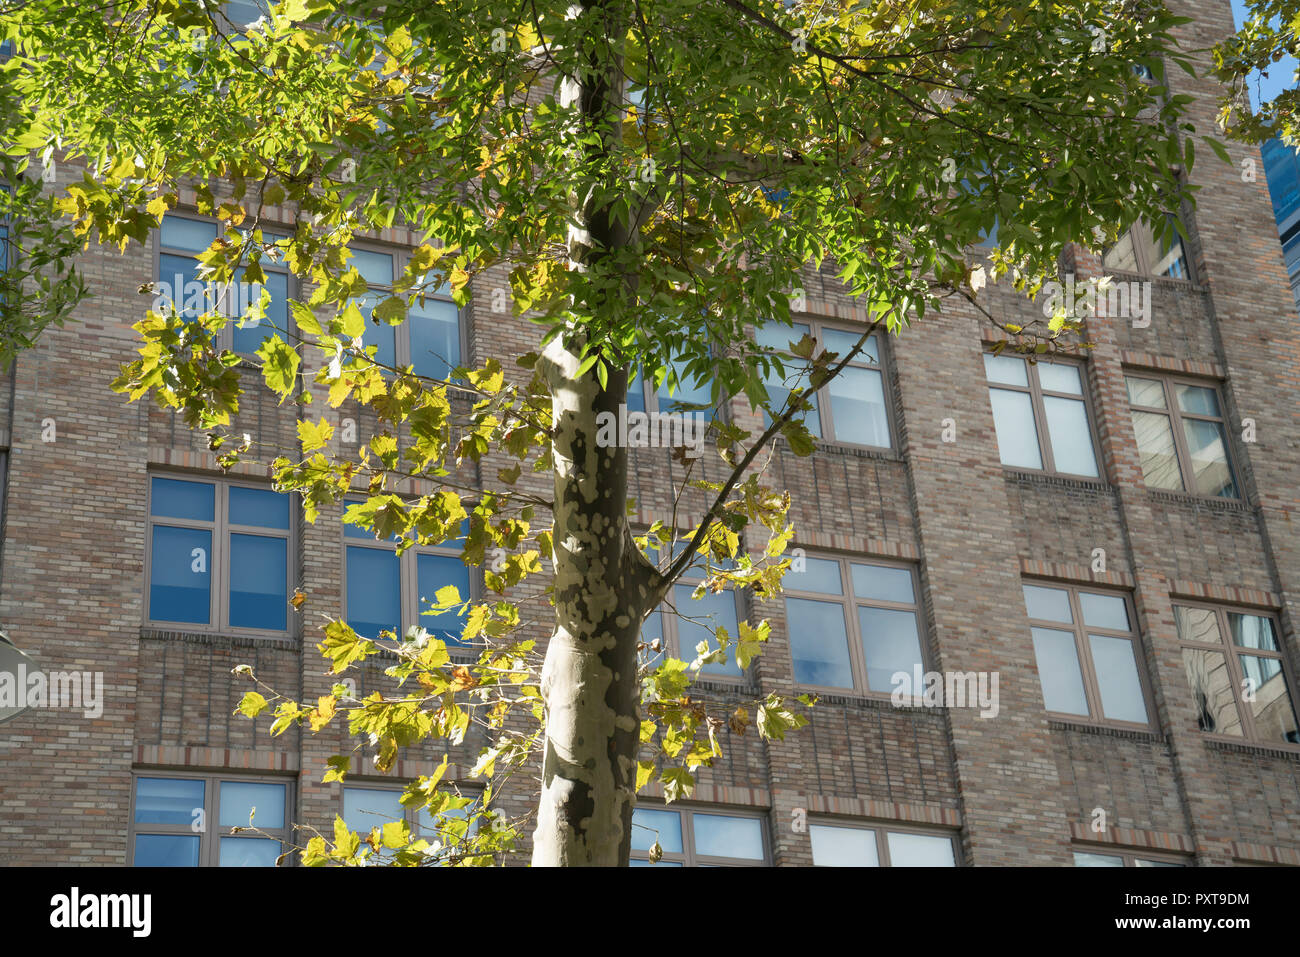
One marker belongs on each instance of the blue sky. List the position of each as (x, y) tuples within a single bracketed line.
[(1281, 75)]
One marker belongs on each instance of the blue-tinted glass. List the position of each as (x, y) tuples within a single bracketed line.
[(435, 338), (652, 629), (700, 620), (636, 392), (180, 575), (178, 276), (190, 234), (258, 506), (842, 343), (375, 268), (882, 583), (1058, 671), (858, 407), (249, 338), (640, 863), (1104, 611), (718, 835), (1117, 679), (248, 852), (1252, 631), (378, 334), (815, 574), (167, 800), (688, 391), (173, 498), (890, 645), (1048, 604), (774, 335), (374, 591), (1013, 422), (364, 808), (919, 850), (259, 589), (650, 824), (357, 531), (1207, 446), (819, 643), (238, 798), (166, 850), (439, 571)]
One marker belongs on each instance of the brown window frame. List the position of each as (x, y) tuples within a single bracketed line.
[(688, 857), (882, 830), (1083, 651), (849, 603), (1036, 392), (1132, 858), (1142, 239), (1175, 415), (1224, 646)]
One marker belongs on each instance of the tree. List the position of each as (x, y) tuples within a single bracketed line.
[(1268, 34), (654, 175)]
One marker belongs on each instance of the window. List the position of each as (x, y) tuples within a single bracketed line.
[(1040, 415), (852, 624), (429, 339), (180, 240), (642, 396), (836, 845), (855, 413), (366, 807), (185, 821), (388, 592), (1139, 251), (1122, 859), (696, 838), (1234, 666), (1086, 653), (694, 621), (1181, 435), (218, 555)]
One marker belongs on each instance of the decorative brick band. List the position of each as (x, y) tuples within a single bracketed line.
[(189, 758), (404, 771), (1149, 360), (868, 547), (204, 461), (1229, 594), (884, 810), (1073, 573), (272, 216), (1132, 837), (1266, 853), (717, 794)]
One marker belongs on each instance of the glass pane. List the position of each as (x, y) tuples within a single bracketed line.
[(364, 808), (688, 391), (181, 287), (1139, 862), (435, 338), (378, 334), (1058, 671), (375, 268), (258, 506), (166, 850), (1148, 392), (1211, 687), (259, 582), (248, 852), (1252, 631), (1007, 369), (882, 583), (651, 824), (439, 571), (843, 846), (173, 498), (1117, 679), (374, 591), (357, 531), (652, 629), (189, 234), (1197, 399), (841, 342), (638, 862), (1013, 420), (1086, 859), (180, 575), (819, 643), (167, 800), (1271, 707), (1197, 624), (1207, 445), (1155, 441), (239, 798), (774, 335), (710, 613), (1060, 377), (778, 392), (636, 392), (250, 337), (1067, 430), (818, 574), (858, 407), (1104, 611), (919, 850), (1121, 257), (717, 835), (890, 644), (1048, 604)]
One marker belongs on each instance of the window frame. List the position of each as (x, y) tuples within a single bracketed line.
[(411, 815), (816, 324), (688, 857), (1245, 715), (1175, 415), (1083, 651), (1131, 857), (226, 337), (1036, 392), (408, 574), (850, 602), (882, 830), (1145, 234), (212, 833), (401, 255), (222, 529)]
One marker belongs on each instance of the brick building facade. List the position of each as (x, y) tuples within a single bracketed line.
[(1210, 777)]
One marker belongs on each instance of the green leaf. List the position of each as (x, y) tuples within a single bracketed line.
[(279, 366)]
